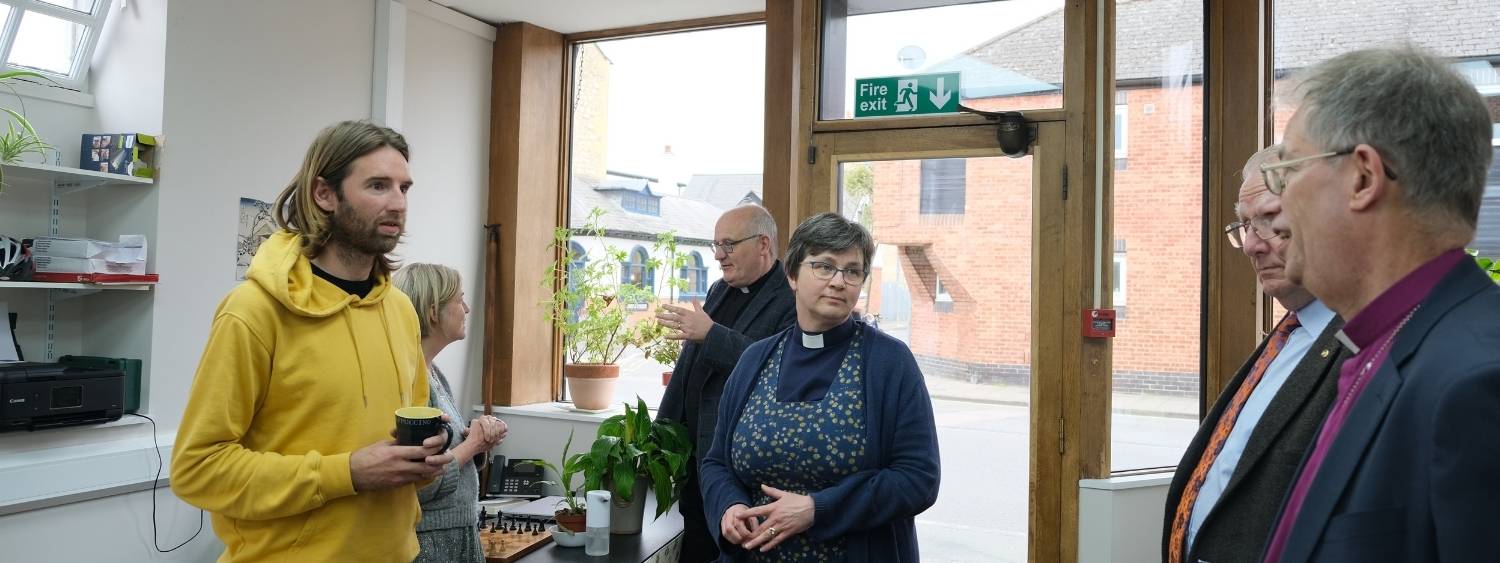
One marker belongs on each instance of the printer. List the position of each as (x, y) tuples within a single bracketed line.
[(36, 395)]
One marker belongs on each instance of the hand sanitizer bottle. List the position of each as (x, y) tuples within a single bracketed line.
[(597, 542)]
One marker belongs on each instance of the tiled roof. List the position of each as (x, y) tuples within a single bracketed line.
[(690, 218), (1158, 38), (723, 190)]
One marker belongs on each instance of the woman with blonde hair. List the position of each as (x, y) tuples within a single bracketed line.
[(450, 505)]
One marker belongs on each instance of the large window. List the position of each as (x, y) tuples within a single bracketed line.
[(655, 156), (55, 38), (695, 275), (1158, 215), (958, 293), (636, 271), (977, 40)]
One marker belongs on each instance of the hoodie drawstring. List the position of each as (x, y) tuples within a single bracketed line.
[(359, 364), (401, 391)]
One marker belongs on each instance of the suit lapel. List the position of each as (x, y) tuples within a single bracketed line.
[(1194, 453), (714, 299), (711, 304), (1369, 411), (760, 299), (1289, 400), (1342, 460)]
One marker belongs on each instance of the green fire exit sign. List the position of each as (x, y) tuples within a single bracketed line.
[(906, 95)]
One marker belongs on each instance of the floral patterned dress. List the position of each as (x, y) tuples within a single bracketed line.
[(801, 446)]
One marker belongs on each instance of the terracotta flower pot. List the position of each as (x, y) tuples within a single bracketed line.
[(666, 378), (592, 386), (575, 523)]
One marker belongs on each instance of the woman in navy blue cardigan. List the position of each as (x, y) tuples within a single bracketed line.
[(826, 448)]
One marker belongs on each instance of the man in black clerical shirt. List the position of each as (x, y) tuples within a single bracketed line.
[(751, 302)]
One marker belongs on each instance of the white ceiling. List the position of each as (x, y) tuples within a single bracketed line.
[(573, 16)]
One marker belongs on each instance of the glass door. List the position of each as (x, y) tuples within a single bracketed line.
[(960, 232)]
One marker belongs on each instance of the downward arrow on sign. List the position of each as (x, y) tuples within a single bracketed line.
[(939, 95)]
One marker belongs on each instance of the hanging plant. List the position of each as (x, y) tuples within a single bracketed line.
[(18, 142)]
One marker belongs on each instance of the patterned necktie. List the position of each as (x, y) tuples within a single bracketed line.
[(1178, 546)]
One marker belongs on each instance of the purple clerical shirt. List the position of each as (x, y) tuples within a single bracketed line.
[(1369, 331)]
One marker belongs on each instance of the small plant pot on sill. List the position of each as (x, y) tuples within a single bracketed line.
[(592, 386), (666, 378), (575, 523)]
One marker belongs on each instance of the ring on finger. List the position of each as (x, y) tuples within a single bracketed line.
[(771, 532)]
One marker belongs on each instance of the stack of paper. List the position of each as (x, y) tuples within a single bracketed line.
[(86, 256)]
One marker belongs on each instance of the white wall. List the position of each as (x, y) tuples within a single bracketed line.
[(238, 89), (446, 121)]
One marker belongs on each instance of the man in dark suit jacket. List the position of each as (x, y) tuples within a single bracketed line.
[(1390, 149), (1267, 415), (751, 302)]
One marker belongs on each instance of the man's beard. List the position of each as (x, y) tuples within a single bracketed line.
[(361, 234)]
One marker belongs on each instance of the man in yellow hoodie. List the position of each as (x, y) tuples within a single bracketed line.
[(286, 436)]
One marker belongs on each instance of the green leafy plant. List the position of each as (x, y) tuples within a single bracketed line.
[(655, 344), (633, 445), (590, 306), (651, 336), (571, 466), (1489, 265), (15, 143)]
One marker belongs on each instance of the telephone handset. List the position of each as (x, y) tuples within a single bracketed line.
[(516, 478)]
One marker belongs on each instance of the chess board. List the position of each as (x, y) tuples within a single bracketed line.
[(510, 543)]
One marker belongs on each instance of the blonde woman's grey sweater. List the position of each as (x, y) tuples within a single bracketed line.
[(452, 501)]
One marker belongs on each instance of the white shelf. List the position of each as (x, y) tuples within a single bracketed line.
[(56, 285), (68, 180)]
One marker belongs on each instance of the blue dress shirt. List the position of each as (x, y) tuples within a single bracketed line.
[(1314, 317)]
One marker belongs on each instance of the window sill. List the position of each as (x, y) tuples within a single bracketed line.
[(52, 94), (1125, 482), (555, 411)]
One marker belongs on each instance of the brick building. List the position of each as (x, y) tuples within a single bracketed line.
[(959, 230)]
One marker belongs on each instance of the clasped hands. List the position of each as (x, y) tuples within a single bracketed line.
[(764, 527)]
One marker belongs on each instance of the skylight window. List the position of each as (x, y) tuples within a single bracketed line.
[(55, 38)]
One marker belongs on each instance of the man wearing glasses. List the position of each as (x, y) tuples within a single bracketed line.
[(1228, 488), (752, 301), (1380, 178)]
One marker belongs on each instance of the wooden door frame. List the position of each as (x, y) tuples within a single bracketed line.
[(1071, 442)]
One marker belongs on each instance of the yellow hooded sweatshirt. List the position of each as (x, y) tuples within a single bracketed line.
[(296, 376)]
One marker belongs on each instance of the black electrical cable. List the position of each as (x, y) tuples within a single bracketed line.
[(154, 541)]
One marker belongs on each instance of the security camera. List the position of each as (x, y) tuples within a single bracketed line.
[(1012, 132)]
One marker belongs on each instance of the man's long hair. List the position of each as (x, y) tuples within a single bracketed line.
[(330, 157)]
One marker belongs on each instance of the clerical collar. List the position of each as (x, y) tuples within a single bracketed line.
[(829, 338), (757, 284)]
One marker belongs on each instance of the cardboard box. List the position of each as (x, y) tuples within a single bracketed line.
[(131, 154), (45, 264), (129, 248)]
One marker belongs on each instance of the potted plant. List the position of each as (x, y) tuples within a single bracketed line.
[(17, 142), (652, 339), (590, 308), (659, 348), (632, 452), (571, 515)]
